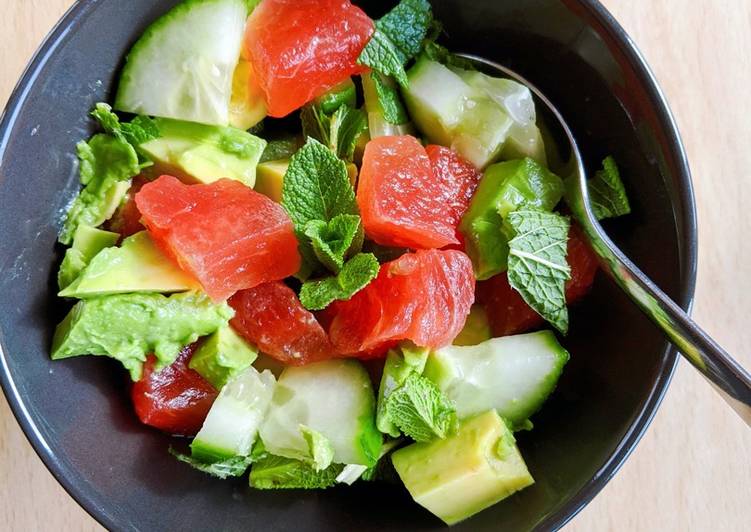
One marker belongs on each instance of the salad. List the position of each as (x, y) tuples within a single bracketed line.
[(326, 250)]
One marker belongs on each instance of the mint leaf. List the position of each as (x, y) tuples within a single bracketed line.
[(332, 242), (106, 164), (405, 360), (347, 125), (436, 52), (275, 472), (354, 276), (231, 467), (420, 410), (317, 186), (339, 131), (393, 110), (319, 447), (398, 38), (537, 266), (607, 195), (141, 129)]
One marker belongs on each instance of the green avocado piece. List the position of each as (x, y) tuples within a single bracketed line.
[(469, 471), (269, 178), (504, 187), (205, 153), (223, 355), (137, 266), (476, 329), (87, 242), (342, 94), (127, 327)]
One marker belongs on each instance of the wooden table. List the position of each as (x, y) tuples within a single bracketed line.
[(692, 470)]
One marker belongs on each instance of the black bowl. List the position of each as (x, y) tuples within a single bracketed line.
[(77, 414)]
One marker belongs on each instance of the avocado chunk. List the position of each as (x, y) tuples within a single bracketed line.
[(223, 355), (137, 266), (504, 187), (270, 177), (342, 94), (465, 473), (476, 329), (127, 327), (449, 111), (247, 106), (202, 153), (513, 375), (87, 242)]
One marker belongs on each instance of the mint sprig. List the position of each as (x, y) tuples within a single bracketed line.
[(398, 37), (607, 194), (353, 277), (420, 410), (537, 266), (339, 131), (335, 240), (393, 109)]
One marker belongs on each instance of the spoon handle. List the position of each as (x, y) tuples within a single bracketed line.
[(729, 378)]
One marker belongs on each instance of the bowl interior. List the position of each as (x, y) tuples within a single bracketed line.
[(77, 412)]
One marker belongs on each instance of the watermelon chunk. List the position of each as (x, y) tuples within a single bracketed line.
[(272, 317), (412, 197), (424, 297), (226, 235), (509, 314), (175, 399), (302, 48)]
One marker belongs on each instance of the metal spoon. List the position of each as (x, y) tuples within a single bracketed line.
[(728, 377)]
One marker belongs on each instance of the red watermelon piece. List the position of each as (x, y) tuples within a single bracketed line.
[(226, 235), (424, 297), (302, 48), (272, 317), (412, 197), (175, 399), (457, 179), (509, 314)]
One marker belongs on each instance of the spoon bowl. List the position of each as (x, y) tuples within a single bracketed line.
[(723, 372)]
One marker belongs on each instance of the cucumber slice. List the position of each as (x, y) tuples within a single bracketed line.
[(182, 66), (451, 112), (436, 99), (334, 398), (513, 375), (232, 425), (524, 138)]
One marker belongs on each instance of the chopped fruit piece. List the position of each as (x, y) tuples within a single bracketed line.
[(302, 48), (226, 235), (127, 218), (272, 317), (175, 399), (424, 297), (410, 197), (507, 311)]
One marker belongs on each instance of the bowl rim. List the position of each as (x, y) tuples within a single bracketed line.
[(687, 241)]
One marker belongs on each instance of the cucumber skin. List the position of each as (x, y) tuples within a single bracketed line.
[(440, 369), (367, 439), (144, 41)]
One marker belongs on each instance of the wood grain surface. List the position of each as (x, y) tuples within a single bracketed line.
[(691, 472)]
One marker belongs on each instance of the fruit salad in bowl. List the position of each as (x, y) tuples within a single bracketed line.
[(327, 250)]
